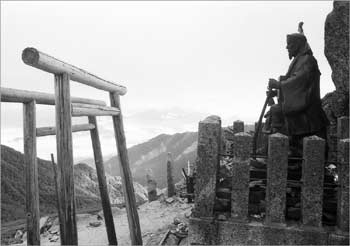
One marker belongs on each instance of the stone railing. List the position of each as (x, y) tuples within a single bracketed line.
[(208, 227)]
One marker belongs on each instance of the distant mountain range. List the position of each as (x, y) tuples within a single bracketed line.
[(85, 179), (153, 155)]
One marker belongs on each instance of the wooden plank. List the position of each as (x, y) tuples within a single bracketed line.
[(31, 165), (40, 60), (23, 96), (79, 109), (128, 188), (102, 183), (65, 160), (51, 130)]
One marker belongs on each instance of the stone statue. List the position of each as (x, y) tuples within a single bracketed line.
[(298, 112)]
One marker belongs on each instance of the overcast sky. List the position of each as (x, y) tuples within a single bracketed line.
[(181, 61)]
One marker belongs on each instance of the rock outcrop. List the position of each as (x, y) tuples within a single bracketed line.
[(336, 103), (337, 44)]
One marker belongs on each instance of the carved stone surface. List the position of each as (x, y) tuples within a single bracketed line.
[(276, 178), (337, 44), (207, 166), (312, 176)]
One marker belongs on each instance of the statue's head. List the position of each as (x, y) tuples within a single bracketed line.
[(297, 42)]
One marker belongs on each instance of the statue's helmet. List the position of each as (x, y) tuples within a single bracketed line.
[(299, 38)]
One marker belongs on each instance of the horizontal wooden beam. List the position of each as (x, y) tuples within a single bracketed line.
[(23, 96), (40, 60), (51, 130), (79, 109)]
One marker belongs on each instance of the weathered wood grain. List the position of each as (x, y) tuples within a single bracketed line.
[(65, 160), (31, 165), (128, 188), (23, 96), (40, 60), (79, 109)]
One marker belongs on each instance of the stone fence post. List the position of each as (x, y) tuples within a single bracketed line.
[(276, 184), (343, 192), (242, 146), (208, 164), (312, 181), (238, 126)]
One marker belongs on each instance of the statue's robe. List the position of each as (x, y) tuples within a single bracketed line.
[(300, 96)]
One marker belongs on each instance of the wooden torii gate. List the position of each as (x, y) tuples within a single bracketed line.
[(67, 107)]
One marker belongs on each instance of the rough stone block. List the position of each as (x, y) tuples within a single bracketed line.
[(312, 177), (238, 126), (276, 178), (343, 194), (207, 166)]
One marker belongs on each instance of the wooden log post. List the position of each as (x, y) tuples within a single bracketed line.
[(65, 160), (106, 205), (343, 192), (276, 184), (31, 166), (242, 146), (312, 177), (170, 176), (128, 188), (208, 164)]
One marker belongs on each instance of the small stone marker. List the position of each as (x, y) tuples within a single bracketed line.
[(151, 186), (170, 177)]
